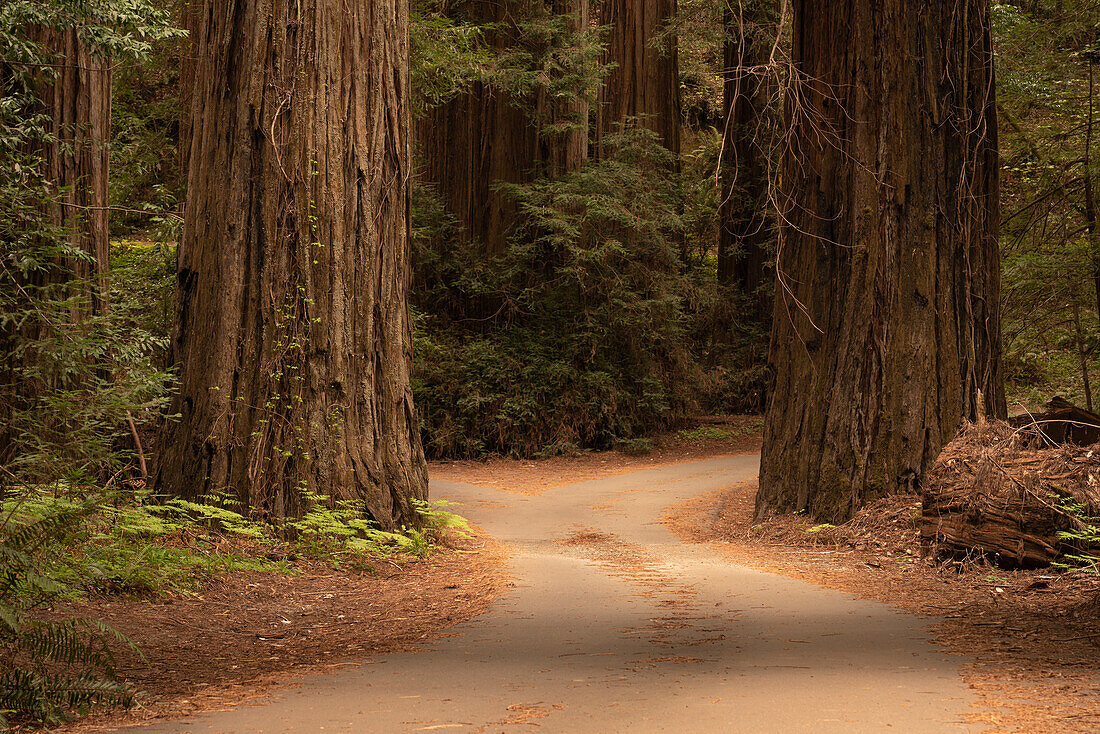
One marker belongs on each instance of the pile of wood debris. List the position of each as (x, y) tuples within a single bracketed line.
[(1003, 493)]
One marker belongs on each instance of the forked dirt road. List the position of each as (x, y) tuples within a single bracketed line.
[(614, 625)]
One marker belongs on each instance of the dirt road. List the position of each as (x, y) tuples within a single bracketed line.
[(613, 625)]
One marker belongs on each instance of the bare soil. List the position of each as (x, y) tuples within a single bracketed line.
[(615, 625), (1033, 636), (247, 632)]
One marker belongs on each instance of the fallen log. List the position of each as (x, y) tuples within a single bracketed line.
[(1062, 422), (992, 494)]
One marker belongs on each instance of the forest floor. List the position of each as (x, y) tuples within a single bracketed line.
[(248, 633), (613, 624), (1032, 637), (1029, 639)]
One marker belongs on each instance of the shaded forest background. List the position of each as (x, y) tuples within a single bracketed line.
[(570, 305)]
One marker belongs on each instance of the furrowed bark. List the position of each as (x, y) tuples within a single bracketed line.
[(645, 80), (293, 335), (886, 330), (78, 102), (745, 232)]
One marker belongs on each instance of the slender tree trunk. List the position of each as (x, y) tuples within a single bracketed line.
[(190, 21), (78, 102), (1092, 217), (293, 333), (968, 108), (1082, 355), (74, 157), (479, 138), (644, 81), (886, 331), (744, 234)]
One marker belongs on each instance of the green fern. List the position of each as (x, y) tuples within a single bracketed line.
[(51, 669), (439, 520), (1084, 537)]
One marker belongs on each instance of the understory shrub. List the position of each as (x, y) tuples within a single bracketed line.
[(574, 337)]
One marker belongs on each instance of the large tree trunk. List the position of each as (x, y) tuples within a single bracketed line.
[(644, 81), (293, 333), (887, 323), (77, 101), (479, 138), (744, 231)]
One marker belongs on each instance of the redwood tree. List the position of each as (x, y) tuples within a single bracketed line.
[(886, 331), (76, 98), (644, 80), (293, 334), (56, 124), (490, 134), (565, 148), (744, 228), (480, 137)]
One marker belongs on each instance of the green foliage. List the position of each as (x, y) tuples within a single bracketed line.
[(142, 285), (700, 36), (114, 28), (1045, 58), (56, 548), (147, 176), (439, 521), (49, 669), (340, 533), (728, 334), (447, 56), (132, 542), (333, 530), (129, 543), (73, 375), (576, 335), (533, 54), (70, 391)]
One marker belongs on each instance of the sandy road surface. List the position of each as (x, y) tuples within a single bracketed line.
[(613, 625)]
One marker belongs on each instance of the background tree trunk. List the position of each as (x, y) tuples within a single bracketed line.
[(74, 159), (744, 232), (189, 21), (968, 107), (293, 334), (78, 102), (567, 151), (478, 138), (887, 316), (645, 80)]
